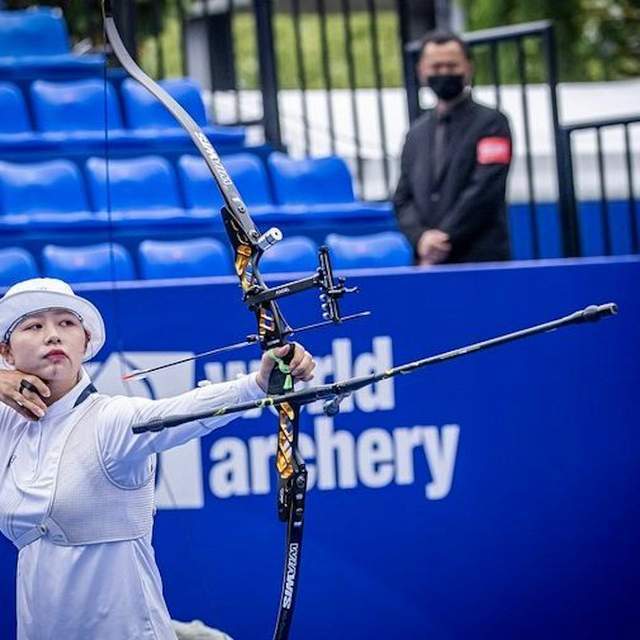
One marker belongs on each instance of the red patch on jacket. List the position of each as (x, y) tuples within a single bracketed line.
[(493, 150)]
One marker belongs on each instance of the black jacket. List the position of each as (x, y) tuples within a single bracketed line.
[(467, 199)]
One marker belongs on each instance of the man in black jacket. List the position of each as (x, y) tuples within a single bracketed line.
[(450, 199)]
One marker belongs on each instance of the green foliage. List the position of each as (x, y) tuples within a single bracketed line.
[(596, 39)]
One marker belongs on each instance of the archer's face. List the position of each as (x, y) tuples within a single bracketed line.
[(443, 59), (49, 344)]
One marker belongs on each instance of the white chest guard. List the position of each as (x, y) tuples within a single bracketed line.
[(88, 506)]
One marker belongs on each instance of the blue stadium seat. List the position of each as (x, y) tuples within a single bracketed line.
[(143, 111), (35, 44), (198, 187), (291, 254), (135, 190), (44, 192), (35, 32), (95, 263), (15, 265), (183, 259), (322, 188), (388, 249), (12, 102), (311, 180), (246, 171), (74, 107)]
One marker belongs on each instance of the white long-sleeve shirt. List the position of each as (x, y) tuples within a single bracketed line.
[(110, 591)]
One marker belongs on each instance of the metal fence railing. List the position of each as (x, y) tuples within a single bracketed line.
[(227, 46), (312, 73), (609, 194), (327, 76), (346, 55)]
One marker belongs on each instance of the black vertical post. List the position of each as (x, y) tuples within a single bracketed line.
[(182, 18), (495, 73), (566, 200), (570, 214), (211, 48), (125, 11), (633, 205), (443, 14), (351, 74), (377, 74), (326, 72), (237, 104), (93, 24), (268, 71), (157, 36), (408, 63), (301, 72), (522, 73), (604, 202)]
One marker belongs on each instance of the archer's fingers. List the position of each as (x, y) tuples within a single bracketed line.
[(303, 369), (442, 246), (305, 374), (310, 375), (25, 407), (34, 399), (42, 388), (299, 355)]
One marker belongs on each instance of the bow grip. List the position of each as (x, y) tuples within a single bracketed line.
[(280, 379)]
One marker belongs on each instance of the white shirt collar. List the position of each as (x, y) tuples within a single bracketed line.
[(68, 401)]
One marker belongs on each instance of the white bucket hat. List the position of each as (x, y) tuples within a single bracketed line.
[(40, 294)]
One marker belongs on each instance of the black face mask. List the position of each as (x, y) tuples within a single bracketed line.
[(446, 87)]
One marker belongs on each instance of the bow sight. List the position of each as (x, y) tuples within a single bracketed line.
[(331, 291)]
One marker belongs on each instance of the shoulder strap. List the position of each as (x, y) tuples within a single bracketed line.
[(86, 392)]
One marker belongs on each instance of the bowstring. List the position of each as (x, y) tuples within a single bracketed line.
[(115, 298), (115, 301)]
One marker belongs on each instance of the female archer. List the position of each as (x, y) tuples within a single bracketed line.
[(76, 485)]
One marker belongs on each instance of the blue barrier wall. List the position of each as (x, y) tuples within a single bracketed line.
[(491, 497)]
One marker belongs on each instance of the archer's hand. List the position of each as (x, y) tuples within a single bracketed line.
[(27, 404), (301, 365), (433, 247)]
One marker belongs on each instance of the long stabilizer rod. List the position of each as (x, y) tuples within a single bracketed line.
[(338, 390)]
